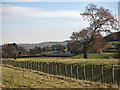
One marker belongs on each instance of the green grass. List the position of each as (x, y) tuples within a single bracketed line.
[(18, 78), (90, 56), (97, 56), (107, 62), (116, 42), (99, 59)]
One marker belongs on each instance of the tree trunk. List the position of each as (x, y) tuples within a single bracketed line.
[(85, 53)]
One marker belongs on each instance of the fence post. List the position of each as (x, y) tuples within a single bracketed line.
[(52, 68), (44, 67), (38, 66), (70, 71), (65, 70), (28, 65), (31, 65), (56, 68), (112, 74), (19, 64), (13, 63), (92, 73), (48, 68), (77, 72), (41, 65), (24, 64), (84, 75), (102, 79), (59, 69)]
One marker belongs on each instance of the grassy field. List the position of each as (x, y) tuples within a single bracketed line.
[(106, 62), (93, 58), (18, 78), (74, 61), (98, 56), (116, 42), (90, 56)]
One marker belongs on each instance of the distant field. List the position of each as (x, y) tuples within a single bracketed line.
[(18, 78), (107, 62), (117, 42), (90, 56), (93, 58), (98, 56)]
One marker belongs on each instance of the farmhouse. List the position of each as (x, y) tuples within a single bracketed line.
[(56, 53), (111, 49)]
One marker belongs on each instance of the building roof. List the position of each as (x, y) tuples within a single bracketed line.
[(56, 53)]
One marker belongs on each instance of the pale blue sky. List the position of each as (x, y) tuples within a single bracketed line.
[(35, 22)]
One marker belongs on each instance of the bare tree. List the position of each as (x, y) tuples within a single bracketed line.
[(101, 20), (86, 39), (8, 50), (74, 47)]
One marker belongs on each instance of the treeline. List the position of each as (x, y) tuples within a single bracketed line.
[(14, 51)]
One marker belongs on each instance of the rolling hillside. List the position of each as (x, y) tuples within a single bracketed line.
[(43, 44)]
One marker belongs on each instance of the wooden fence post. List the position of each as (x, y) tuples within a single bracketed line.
[(44, 67), (84, 74), (38, 66), (59, 69), (102, 79), (51, 68), (113, 74), (31, 65), (28, 65), (48, 68), (56, 68), (70, 71), (24, 64), (92, 72), (77, 72), (19, 64), (65, 70), (41, 67), (13, 63)]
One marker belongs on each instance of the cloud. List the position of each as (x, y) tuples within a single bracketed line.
[(17, 11)]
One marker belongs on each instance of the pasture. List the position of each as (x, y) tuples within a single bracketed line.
[(20, 78), (94, 70)]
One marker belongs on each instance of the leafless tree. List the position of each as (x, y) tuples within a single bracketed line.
[(86, 39), (8, 50), (101, 20)]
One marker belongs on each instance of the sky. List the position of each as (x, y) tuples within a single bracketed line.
[(35, 22)]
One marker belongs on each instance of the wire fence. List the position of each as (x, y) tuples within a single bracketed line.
[(97, 73)]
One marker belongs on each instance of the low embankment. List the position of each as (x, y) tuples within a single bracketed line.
[(13, 77)]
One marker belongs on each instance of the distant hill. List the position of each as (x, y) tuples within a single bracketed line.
[(43, 44), (109, 38), (113, 37)]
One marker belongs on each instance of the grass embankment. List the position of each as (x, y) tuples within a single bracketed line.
[(18, 78)]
